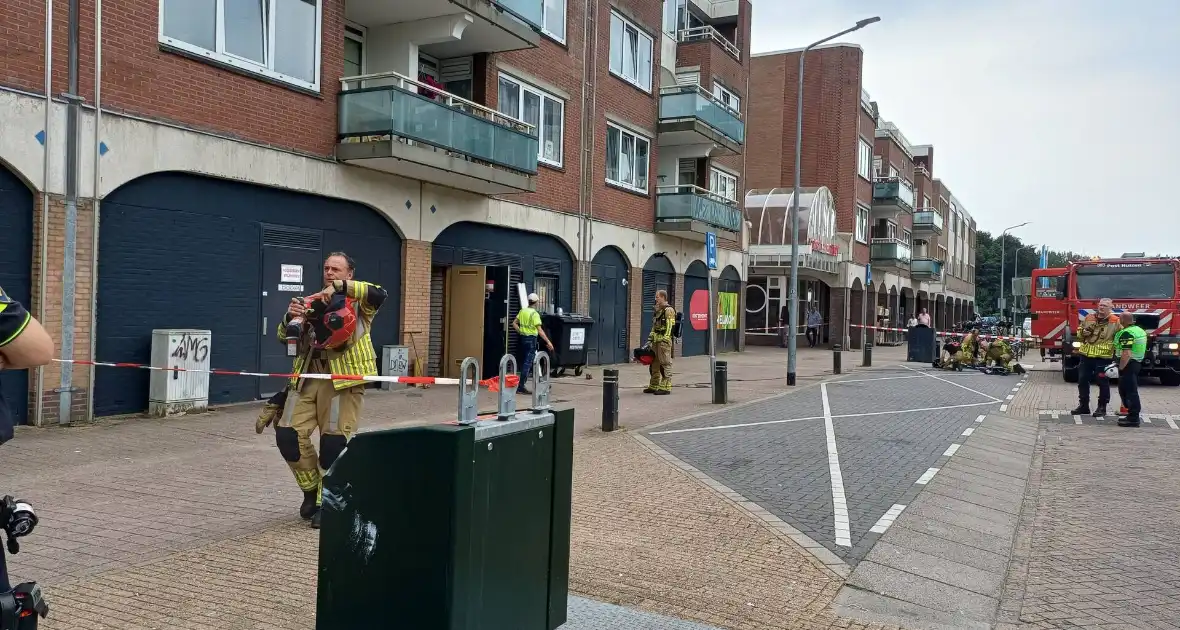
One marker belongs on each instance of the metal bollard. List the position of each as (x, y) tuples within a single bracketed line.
[(837, 357), (610, 400), (469, 391), (868, 354), (720, 382), (541, 382), (507, 398)]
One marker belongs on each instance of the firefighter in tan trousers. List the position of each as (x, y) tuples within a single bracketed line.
[(659, 340), (331, 407)]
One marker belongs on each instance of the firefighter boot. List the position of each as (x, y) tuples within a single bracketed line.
[(309, 510), (1082, 410), (315, 520), (1100, 411)]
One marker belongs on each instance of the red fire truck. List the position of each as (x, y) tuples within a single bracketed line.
[(1048, 312), (1148, 287)]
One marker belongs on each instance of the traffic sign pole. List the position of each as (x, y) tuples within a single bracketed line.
[(711, 263)]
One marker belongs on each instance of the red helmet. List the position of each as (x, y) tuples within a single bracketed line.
[(333, 323)]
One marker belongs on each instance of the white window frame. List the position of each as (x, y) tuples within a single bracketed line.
[(926, 202), (636, 138), (641, 36), (862, 225), (557, 37), (519, 115), (364, 35), (248, 65), (727, 97), (716, 177), (864, 160), (893, 174)]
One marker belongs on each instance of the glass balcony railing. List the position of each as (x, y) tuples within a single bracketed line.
[(928, 220), (684, 203), (926, 267), (528, 11), (690, 101), (890, 250), (441, 120), (891, 190)]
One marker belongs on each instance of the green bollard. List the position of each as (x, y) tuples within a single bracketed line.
[(458, 526)]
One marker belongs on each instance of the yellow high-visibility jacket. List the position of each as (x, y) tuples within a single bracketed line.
[(359, 358)]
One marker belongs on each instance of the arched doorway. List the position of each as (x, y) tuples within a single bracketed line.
[(183, 251), (609, 297), (696, 310), (658, 274), (468, 257), (16, 257), (856, 314), (729, 309)]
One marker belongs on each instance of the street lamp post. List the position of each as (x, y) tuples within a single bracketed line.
[(792, 333), (1003, 235)]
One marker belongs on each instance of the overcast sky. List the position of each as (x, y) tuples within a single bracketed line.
[(1063, 113)]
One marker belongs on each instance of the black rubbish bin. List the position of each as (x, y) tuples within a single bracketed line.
[(569, 333), (921, 345)]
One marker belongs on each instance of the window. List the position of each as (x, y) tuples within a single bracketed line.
[(540, 109), (546, 289), (727, 98), (279, 39), (892, 172), (864, 160), (553, 19), (862, 225), (354, 51), (630, 52), (723, 184), (926, 201), (627, 158), (876, 166), (907, 237)]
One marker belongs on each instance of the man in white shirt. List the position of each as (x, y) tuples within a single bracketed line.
[(924, 318)]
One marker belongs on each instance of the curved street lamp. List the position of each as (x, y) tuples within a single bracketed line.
[(1004, 303)]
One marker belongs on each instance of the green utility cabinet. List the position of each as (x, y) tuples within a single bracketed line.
[(450, 527)]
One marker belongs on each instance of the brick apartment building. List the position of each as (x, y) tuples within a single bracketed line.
[(454, 148), (870, 204)]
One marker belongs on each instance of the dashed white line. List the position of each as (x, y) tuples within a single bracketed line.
[(847, 415), (968, 430), (1003, 408), (927, 476), (839, 500), (1010, 397), (1055, 415), (1171, 422), (980, 418), (939, 378), (1077, 419), (887, 519), (951, 450)]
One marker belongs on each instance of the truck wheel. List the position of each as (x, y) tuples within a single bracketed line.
[(1070, 375), (1170, 379)]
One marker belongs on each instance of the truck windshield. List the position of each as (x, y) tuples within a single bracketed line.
[(1155, 282)]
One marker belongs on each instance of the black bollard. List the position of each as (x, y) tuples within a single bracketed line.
[(720, 382), (868, 354), (610, 400), (837, 357)]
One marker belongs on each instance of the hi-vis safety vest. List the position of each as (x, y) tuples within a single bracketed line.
[(1097, 337), (359, 358)]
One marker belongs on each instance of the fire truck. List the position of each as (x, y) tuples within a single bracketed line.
[(1147, 287)]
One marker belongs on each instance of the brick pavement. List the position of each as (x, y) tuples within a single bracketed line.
[(189, 521), (1097, 544)]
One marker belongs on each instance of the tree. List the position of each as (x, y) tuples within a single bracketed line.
[(1019, 261)]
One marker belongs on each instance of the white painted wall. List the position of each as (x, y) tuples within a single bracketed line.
[(139, 148)]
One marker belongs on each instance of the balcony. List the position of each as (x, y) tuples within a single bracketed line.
[(707, 34), (447, 28), (927, 222), (690, 212), (891, 196), (444, 140), (926, 269), (717, 10), (691, 116), (890, 252)]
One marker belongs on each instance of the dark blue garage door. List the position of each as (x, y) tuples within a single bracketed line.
[(658, 273), (696, 280), (16, 253), (183, 251)]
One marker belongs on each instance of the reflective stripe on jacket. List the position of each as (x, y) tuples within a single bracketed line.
[(359, 358), (1097, 337)]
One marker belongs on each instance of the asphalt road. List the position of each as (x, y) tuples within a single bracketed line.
[(840, 461)]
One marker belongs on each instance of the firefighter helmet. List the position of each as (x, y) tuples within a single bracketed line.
[(333, 322)]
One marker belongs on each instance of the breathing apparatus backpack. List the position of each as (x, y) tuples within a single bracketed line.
[(677, 327)]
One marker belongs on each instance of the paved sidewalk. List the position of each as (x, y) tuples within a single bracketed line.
[(189, 522)]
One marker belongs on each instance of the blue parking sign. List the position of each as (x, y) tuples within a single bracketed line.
[(711, 250)]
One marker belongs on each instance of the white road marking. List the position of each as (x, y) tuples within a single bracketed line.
[(887, 519), (1003, 408), (1010, 397), (868, 380), (980, 418), (939, 378), (839, 501), (1077, 419), (951, 450), (1055, 415), (1171, 422), (927, 476), (968, 430), (847, 415)]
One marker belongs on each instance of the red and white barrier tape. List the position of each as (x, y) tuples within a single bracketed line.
[(492, 383), (944, 333), (778, 328)]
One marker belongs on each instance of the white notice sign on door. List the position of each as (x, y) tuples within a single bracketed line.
[(291, 273)]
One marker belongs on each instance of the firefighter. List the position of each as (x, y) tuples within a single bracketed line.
[(660, 341), (331, 407), (999, 353), (968, 348), (1096, 334)]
